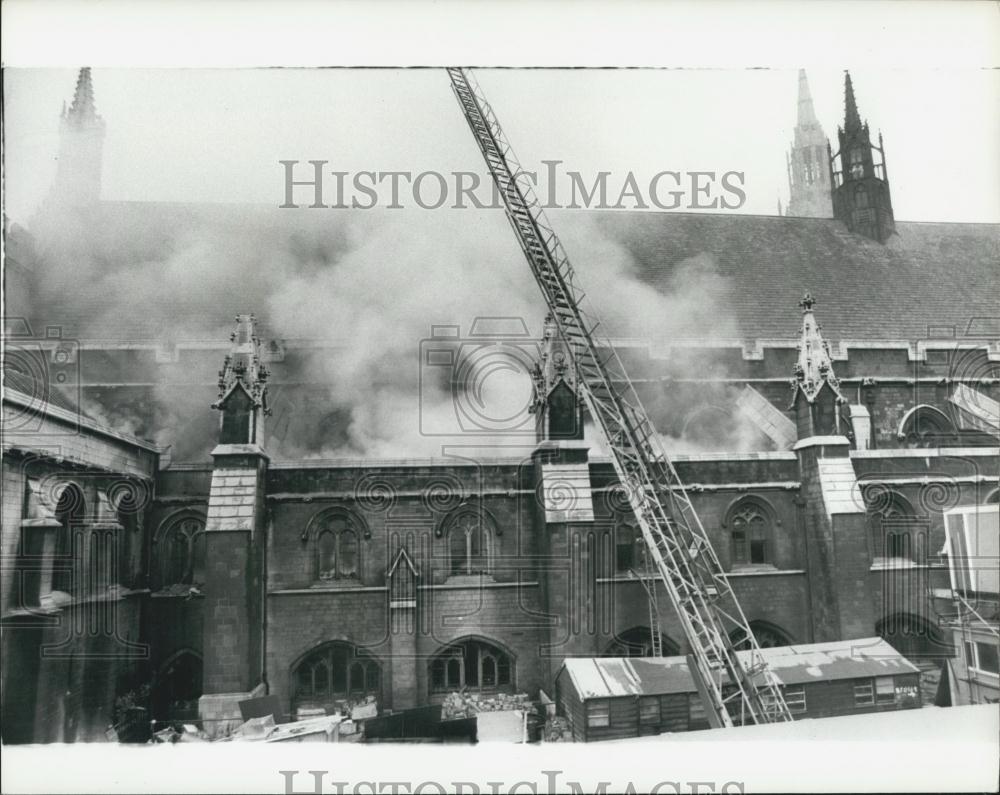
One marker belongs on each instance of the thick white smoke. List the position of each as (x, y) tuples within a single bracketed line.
[(369, 285)]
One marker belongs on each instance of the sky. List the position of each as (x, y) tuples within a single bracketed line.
[(216, 135)]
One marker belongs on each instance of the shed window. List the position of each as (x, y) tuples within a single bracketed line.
[(795, 698), (649, 710), (864, 695), (598, 713), (885, 690), (983, 657)]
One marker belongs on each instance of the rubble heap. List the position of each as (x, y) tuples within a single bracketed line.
[(467, 705), (557, 730)]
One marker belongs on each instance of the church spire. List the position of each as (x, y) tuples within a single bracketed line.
[(83, 109), (81, 149), (816, 396), (243, 387), (808, 162), (852, 121), (814, 366), (807, 115), (861, 196)]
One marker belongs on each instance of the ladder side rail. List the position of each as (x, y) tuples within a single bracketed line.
[(638, 449)]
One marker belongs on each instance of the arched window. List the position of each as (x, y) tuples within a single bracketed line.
[(751, 533), (913, 636), (469, 537), (181, 552), (893, 526), (766, 634), (336, 672), (857, 163), (177, 687), (926, 426), (70, 511), (638, 642), (473, 665), (630, 548), (338, 547)]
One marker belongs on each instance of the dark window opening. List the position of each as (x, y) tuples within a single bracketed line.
[(337, 549), (336, 672), (474, 665), (468, 545), (750, 532), (181, 550)]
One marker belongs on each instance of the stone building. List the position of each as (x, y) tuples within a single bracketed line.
[(237, 571)]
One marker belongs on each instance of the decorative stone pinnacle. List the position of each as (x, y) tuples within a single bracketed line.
[(242, 366)]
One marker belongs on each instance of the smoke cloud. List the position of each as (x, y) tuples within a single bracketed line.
[(347, 301)]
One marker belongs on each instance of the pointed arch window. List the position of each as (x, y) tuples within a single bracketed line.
[(751, 533), (470, 536), (338, 548), (894, 529), (473, 665), (336, 672), (857, 164), (181, 552)]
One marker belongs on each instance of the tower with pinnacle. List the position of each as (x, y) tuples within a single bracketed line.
[(808, 162), (861, 196), (81, 147)]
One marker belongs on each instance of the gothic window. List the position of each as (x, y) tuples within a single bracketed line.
[(638, 642), (469, 536), (892, 528), (337, 548), (857, 163), (181, 552), (809, 167), (767, 635), (926, 426), (630, 548), (336, 672), (750, 531), (472, 665), (178, 687)]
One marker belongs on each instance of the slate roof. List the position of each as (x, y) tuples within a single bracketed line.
[(39, 392), (609, 677), (930, 275)]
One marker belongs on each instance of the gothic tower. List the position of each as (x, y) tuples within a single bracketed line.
[(860, 182), (808, 162), (81, 145)]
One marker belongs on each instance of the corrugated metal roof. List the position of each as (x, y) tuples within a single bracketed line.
[(608, 677)]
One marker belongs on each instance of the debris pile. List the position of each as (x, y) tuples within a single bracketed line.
[(468, 705), (180, 733), (557, 730)]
